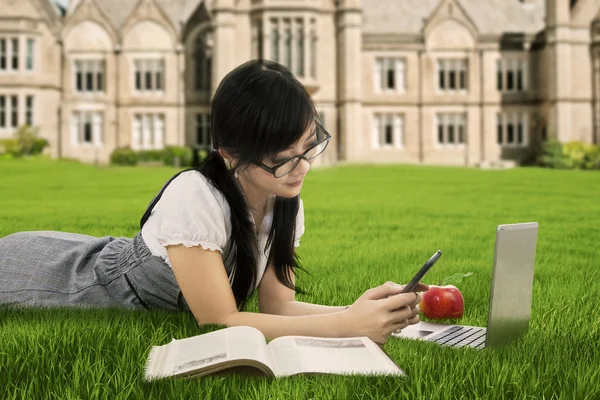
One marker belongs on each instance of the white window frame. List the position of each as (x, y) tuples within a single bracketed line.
[(451, 64), (9, 54), (153, 65), (10, 108), (513, 64), (202, 120), (148, 131), (382, 66), (456, 120), (322, 118), (380, 121), (78, 121), (516, 118), (94, 65)]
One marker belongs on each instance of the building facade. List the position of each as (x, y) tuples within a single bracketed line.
[(457, 82)]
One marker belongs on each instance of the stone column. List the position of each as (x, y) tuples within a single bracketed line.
[(596, 93), (223, 60), (595, 58), (559, 63), (349, 35)]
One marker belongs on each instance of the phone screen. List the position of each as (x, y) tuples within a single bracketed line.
[(419, 275)]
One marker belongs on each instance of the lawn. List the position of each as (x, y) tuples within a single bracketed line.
[(364, 225)]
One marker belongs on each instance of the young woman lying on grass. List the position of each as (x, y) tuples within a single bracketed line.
[(214, 234)]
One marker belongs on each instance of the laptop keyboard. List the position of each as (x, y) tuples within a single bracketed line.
[(461, 336)]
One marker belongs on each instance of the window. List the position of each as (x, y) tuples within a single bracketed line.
[(322, 118), (9, 54), (287, 57), (2, 112), (511, 75), (149, 75), (451, 129), (275, 40), (512, 129), (300, 48), (148, 131), (389, 74), (203, 138), (30, 54), (452, 74), (3, 54), (288, 44), (89, 76), (9, 111), (388, 131), (203, 62), (257, 40), (29, 110), (87, 128), (14, 108), (15, 54)]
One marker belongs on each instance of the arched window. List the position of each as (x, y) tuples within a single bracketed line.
[(203, 61)]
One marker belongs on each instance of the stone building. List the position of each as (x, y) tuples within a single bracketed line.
[(457, 82)]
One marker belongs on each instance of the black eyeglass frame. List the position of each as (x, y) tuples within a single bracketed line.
[(273, 169)]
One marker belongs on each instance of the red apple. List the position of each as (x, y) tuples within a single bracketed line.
[(442, 302)]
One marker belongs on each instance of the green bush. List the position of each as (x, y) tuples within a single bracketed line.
[(124, 156), (570, 155), (593, 158), (151, 155), (25, 142), (11, 147), (38, 145), (28, 138), (202, 154), (178, 156)]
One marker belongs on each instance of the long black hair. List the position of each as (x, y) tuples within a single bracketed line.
[(258, 110)]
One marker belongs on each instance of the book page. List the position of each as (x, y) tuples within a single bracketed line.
[(296, 354), (234, 343)]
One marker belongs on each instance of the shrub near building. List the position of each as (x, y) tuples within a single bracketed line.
[(570, 155), (25, 143), (175, 156)]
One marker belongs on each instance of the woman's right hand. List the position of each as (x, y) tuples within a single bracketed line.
[(381, 311)]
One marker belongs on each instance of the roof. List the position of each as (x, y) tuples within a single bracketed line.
[(118, 11), (489, 16), (379, 16)]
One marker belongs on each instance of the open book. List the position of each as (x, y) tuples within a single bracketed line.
[(243, 349)]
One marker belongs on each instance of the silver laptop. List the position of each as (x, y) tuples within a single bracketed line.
[(510, 296)]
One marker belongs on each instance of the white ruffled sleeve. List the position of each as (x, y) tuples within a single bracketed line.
[(191, 213), (299, 224)]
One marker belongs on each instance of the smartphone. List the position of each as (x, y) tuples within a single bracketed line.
[(417, 278)]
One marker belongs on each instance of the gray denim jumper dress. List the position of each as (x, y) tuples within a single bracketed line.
[(50, 269)]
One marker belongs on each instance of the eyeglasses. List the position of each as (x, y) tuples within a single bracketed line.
[(287, 166)]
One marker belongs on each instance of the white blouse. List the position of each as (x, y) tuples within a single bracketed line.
[(193, 212)]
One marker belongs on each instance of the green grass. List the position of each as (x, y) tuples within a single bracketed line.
[(364, 225)]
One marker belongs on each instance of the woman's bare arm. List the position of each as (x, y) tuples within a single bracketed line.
[(205, 285), (276, 298)]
